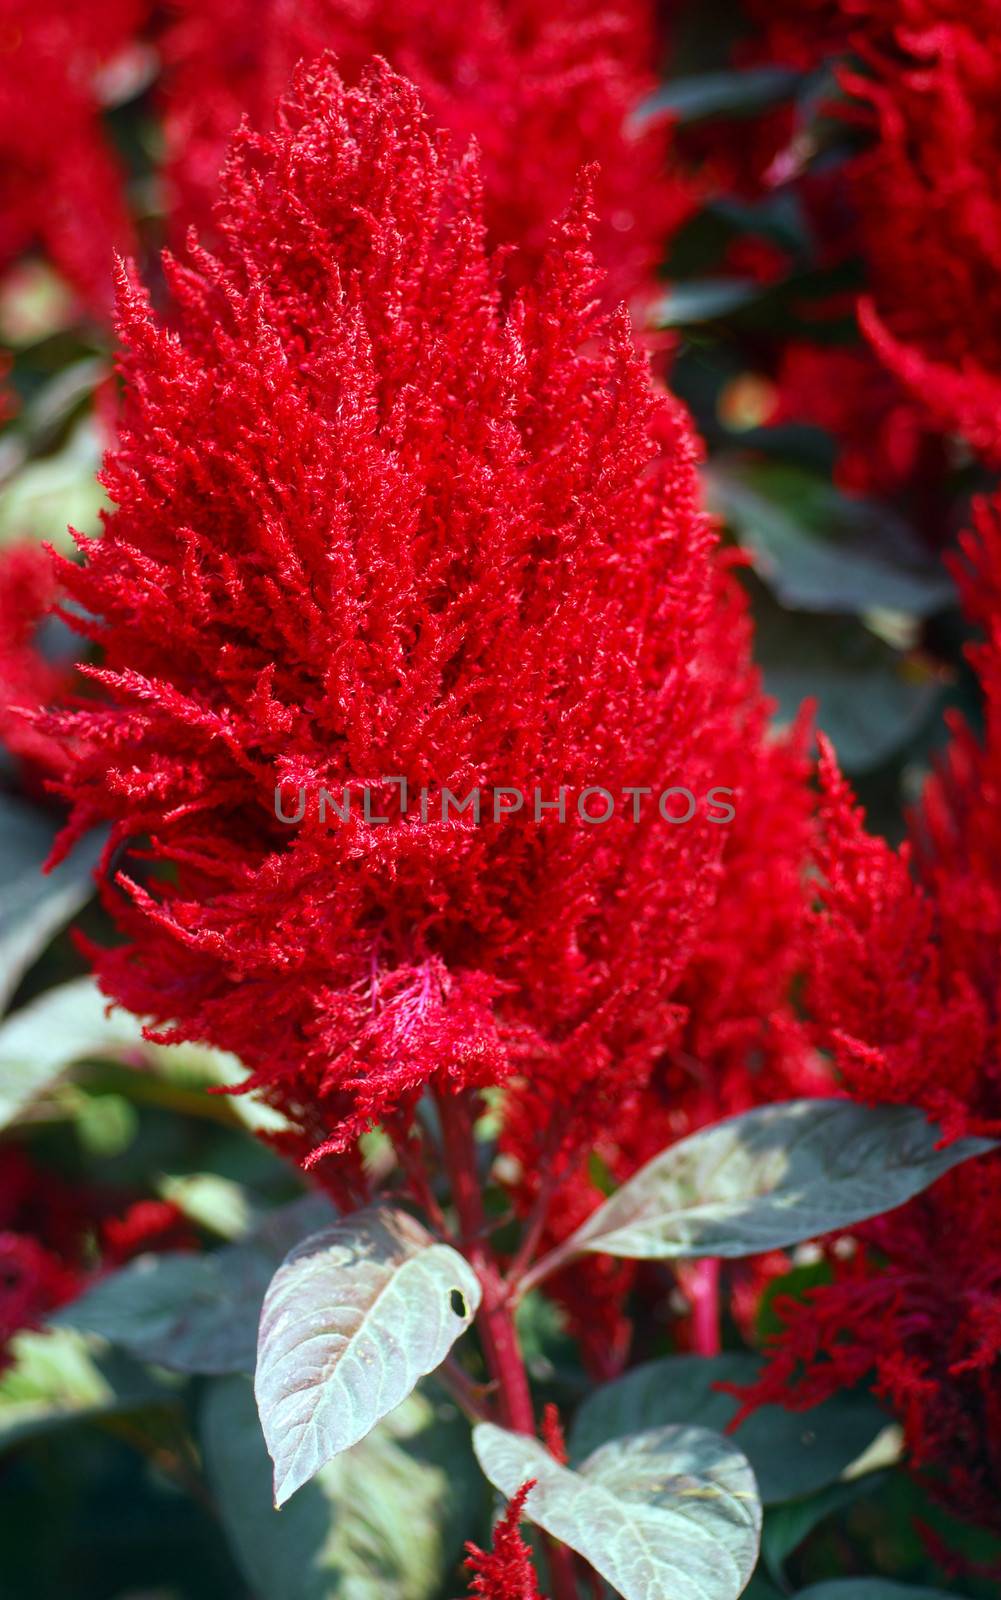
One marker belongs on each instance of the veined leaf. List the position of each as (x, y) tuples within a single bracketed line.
[(352, 1320), (770, 1178), (670, 1511), (793, 1453)]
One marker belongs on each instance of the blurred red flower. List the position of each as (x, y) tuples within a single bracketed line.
[(544, 90), (61, 185)]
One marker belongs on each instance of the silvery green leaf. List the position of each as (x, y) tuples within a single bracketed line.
[(352, 1320), (771, 1178), (669, 1511), (55, 1378)]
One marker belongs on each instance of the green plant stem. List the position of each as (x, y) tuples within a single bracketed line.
[(495, 1318)]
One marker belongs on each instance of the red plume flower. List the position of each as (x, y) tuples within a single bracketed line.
[(906, 992), (505, 1572), (60, 184), (935, 310), (27, 681), (544, 90), (375, 521)]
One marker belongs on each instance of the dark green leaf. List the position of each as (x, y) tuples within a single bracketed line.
[(723, 94), (792, 1453), (384, 1520), (787, 1526), (821, 550), (869, 1589), (670, 1511), (35, 906), (352, 1320), (195, 1313), (872, 701)]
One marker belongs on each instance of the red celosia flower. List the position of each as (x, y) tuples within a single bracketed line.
[(33, 1282), (27, 680), (145, 1225), (505, 1572), (60, 183), (906, 992), (935, 312), (919, 1307), (886, 442), (544, 90), (373, 520), (732, 1040)]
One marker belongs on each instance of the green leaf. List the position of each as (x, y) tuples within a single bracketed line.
[(723, 94), (872, 700), (868, 1589), (821, 550), (703, 299), (670, 1511), (787, 1526), (217, 1204), (34, 906), (64, 1025), (384, 1520), (792, 1453), (71, 1023), (55, 1378), (47, 496), (352, 1320), (195, 1313), (770, 1178)]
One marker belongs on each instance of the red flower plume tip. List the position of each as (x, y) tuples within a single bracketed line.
[(543, 89), (375, 518), (505, 1572)]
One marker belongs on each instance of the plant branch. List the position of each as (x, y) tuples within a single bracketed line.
[(494, 1319)]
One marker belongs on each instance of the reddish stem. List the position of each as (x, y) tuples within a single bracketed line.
[(494, 1318), (704, 1292)]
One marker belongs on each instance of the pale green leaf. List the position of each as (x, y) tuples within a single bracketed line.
[(770, 1178), (352, 1320), (669, 1511)]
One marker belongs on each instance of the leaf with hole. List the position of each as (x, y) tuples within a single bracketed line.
[(669, 1511), (767, 1179), (353, 1319)]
